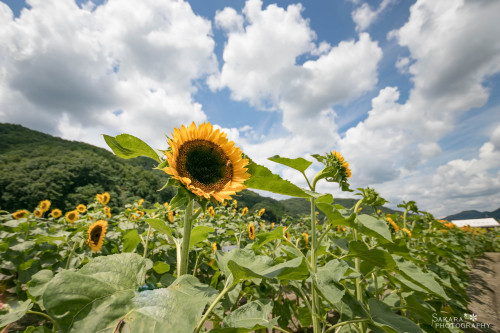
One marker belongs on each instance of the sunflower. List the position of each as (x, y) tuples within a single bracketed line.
[(272, 225), (72, 216), (251, 230), (55, 213), (261, 212), (244, 211), (407, 231), (206, 162), (211, 211), (20, 213), (235, 203), (107, 212), (141, 201), (171, 216), (38, 212), (81, 208), (103, 198), (44, 205), (214, 247), (96, 232), (306, 237)]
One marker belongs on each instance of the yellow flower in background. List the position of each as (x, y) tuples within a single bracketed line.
[(251, 230), (244, 211), (44, 205), (272, 225), (103, 198), (206, 162), (81, 208), (171, 216), (141, 201), (360, 209), (214, 247), (107, 212), (235, 203), (407, 231), (306, 237), (72, 216), (261, 211), (37, 212), (234, 210), (55, 213), (394, 225), (96, 234), (211, 211), (20, 214), (224, 203)]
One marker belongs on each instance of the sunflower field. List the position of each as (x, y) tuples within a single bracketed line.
[(203, 263)]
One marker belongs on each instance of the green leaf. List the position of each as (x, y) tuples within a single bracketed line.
[(181, 199), (374, 227), (38, 329), (426, 280), (15, 314), (199, 234), (160, 267), (177, 308), (98, 295), (251, 316), (159, 225), (328, 278), (389, 321), (37, 285), (131, 240), (263, 238), (335, 217), (128, 146), (375, 257), (263, 179), (298, 164)]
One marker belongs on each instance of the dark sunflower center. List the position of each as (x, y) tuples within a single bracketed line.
[(205, 163), (95, 234)]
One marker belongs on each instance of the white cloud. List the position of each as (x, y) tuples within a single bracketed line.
[(364, 16), (64, 67)]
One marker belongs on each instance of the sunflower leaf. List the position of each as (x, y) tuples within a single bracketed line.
[(128, 146), (299, 164), (199, 234)]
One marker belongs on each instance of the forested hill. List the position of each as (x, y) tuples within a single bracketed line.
[(35, 166)]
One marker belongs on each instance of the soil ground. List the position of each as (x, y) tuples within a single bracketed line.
[(484, 292)]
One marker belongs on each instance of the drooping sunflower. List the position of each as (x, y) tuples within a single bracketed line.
[(38, 212), (394, 225), (251, 231), (171, 216), (44, 205), (103, 198), (107, 211), (81, 208), (206, 162), (55, 213), (20, 213), (306, 237), (72, 216), (97, 232), (244, 211), (261, 211)]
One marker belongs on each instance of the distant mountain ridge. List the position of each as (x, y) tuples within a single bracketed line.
[(474, 214)]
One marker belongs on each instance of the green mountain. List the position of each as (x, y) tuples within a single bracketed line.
[(474, 214), (35, 166)]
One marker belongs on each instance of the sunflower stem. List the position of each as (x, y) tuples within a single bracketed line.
[(186, 237), (70, 255), (147, 241), (314, 305)]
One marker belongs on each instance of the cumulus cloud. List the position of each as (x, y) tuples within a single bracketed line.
[(114, 67), (364, 15)]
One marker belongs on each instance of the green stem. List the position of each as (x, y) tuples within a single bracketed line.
[(196, 263), (147, 241), (280, 329), (352, 321), (178, 246), (314, 244), (55, 327), (70, 255), (227, 287), (304, 297), (377, 296), (186, 238)]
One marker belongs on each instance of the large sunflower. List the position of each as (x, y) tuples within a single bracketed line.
[(96, 232), (206, 162)]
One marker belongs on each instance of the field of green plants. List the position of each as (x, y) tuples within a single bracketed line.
[(203, 263)]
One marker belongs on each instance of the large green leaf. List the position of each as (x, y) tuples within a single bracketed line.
[(298, 164), (98, 295), (389, 321), (374, 227), (251, 316), (177, 308), (36, 286), (328, 278), (375, 257), (159, 225), (263, 238), (199, 234), (131, 240), (263, 179), (426, 280), (128, 146), (15, 314), (334, 216)]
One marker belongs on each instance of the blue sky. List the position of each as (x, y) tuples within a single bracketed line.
[(407, 91)]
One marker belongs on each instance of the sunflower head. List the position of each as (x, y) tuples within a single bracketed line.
[(211, 211), (103, 198), (44, 205), (261, 211), (96, 234), (205, 162), (38, 212), (20, 214), (244, 211), (72, 216), (81, 208), (336, 169), (214, 247), (141, 201), (107, 211), (306, 238), (55, 213), (251, 230), (171, 216), (408, 232)]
